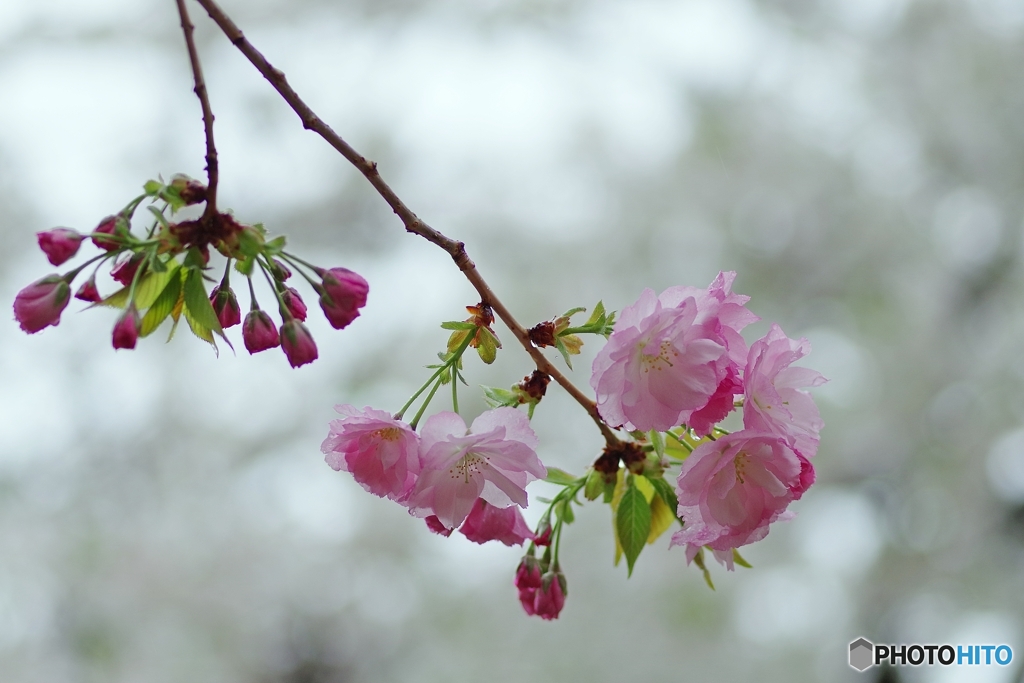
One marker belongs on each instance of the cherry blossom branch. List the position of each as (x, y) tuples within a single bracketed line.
[(204, 100), (412, 222)]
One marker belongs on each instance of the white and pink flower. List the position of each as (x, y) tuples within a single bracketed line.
[(381, 452), (494, 460), (774, 401), (674, 359), (731, 489)]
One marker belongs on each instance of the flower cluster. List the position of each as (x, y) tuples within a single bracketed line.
[(677, 362), (451, 475), (163, 276)]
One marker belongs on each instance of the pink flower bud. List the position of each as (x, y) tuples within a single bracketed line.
[(41, 303), (259, 332), (297, 343), (342, 295), (296, 306), (59, 244), (124, 271), (489, 523), (88, 292), (225, 305), (550, 597), (107, 226), (126, 331), (527, 581), (279, 270)]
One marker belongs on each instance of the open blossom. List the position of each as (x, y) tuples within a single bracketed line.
[(774, 401), (494, 459), (489, 523), (40, 304), (381, 452), (731, 489), (674, 359)]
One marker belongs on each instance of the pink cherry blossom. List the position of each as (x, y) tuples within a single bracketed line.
[(673, 359), (774, 401), (731, 489), (380, 451), (488, 523), (494, 459)]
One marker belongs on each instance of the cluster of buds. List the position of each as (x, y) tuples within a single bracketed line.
[(163, 275)]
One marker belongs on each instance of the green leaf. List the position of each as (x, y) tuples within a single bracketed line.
[(572, 311), (699, 561), (246, 265), (198, 329), (152, 187), (564, 351), (159, 215), (658, 441), (597, 316), (564, 511), (497, 398), (457, 325), (163, 306), (662, 517), (666, 493), (560, 477), (276, 245), (633, 524), (594, 486), (147, 289), (738, 559), (250, 242), (645, 486), (487, 345)]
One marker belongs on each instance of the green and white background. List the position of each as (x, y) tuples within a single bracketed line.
[(166, 515)]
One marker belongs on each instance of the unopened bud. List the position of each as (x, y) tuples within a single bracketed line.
[(126, 331), (259, 332), (59, 244), (40, 304), (225, 305), (297, 343)]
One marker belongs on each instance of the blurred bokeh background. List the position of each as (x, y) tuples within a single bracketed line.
[(165, 515)]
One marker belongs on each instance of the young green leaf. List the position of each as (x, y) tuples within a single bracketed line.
[(666, 493), (594, 486), (738, 559), (662, 517), (633, 524), (163, 306), (457, 325), (487, 345), (560, 477), (198, 309)]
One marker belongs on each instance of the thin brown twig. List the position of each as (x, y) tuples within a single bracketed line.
[(212, 173), (412, 222)]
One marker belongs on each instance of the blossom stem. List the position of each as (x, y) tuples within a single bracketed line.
[(450, 363), (426, 402), (412, 222)]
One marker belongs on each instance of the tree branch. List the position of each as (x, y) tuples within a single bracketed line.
[(412, 222), (204, 100)]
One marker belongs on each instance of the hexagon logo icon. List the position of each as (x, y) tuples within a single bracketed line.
[(862, 653)]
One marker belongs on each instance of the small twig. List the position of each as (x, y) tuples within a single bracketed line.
[(412, 222), (204, 100)]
